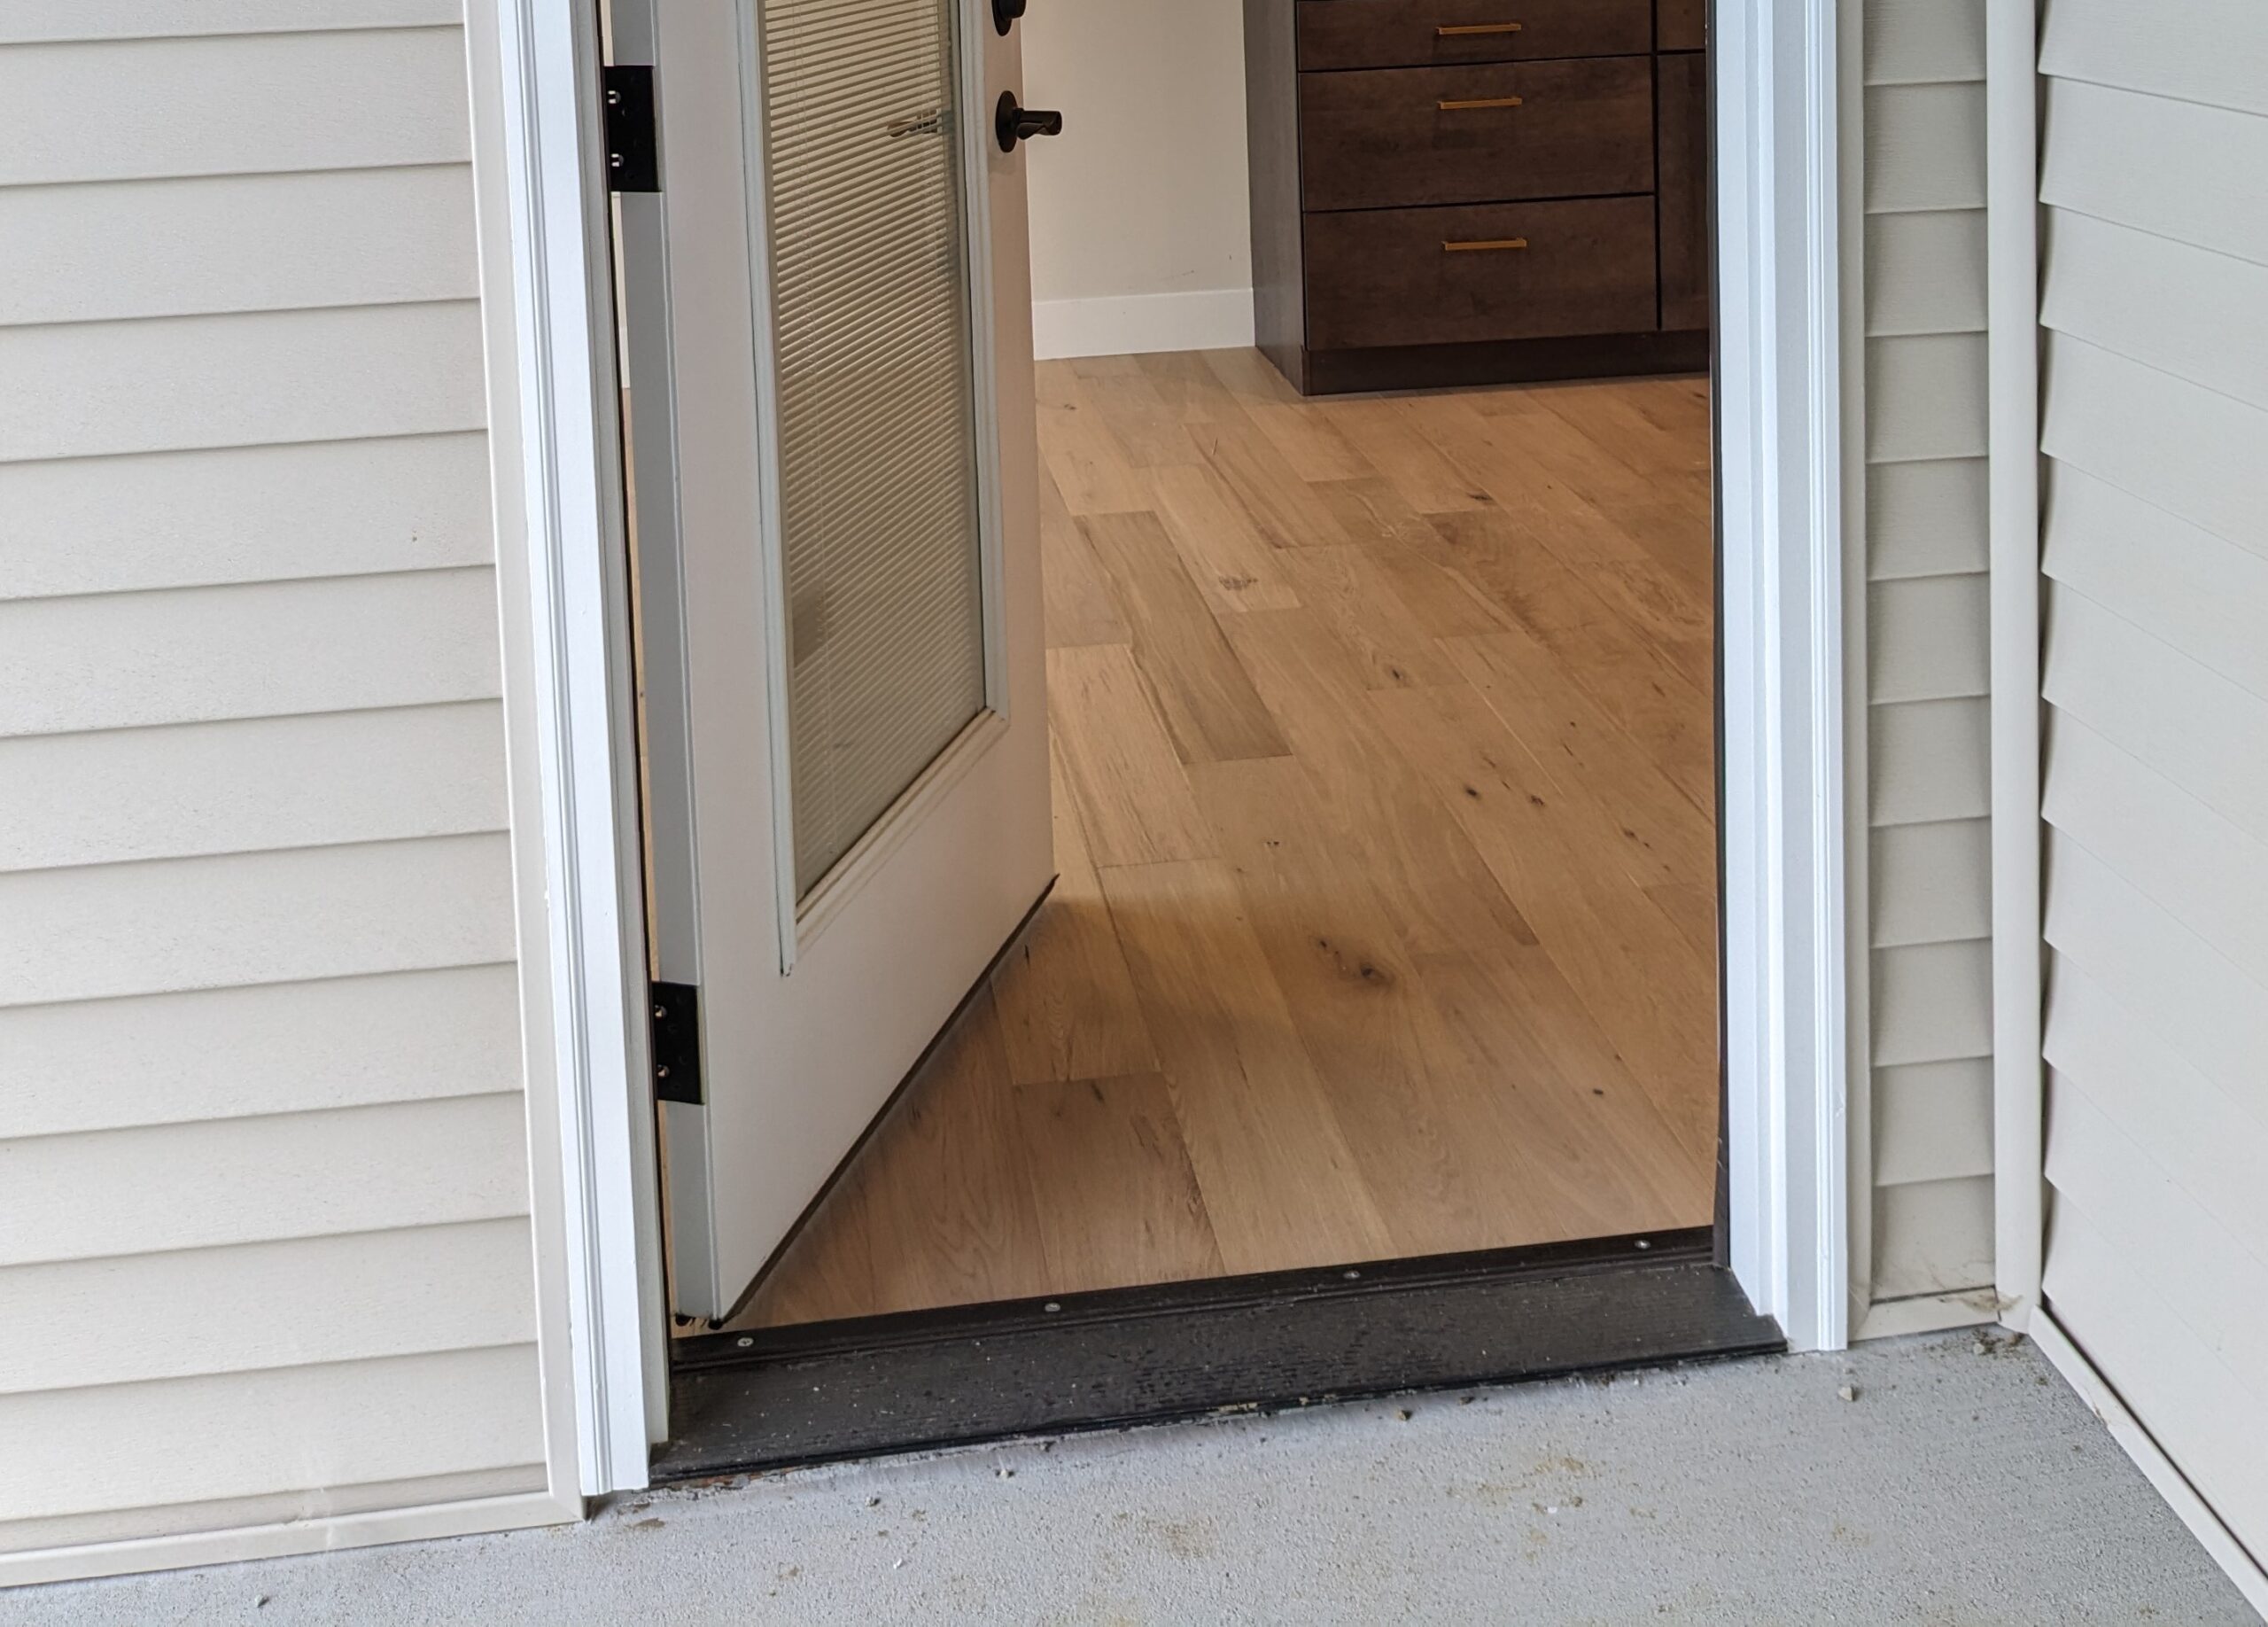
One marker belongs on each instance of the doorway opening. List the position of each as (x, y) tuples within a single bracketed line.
[(1380, 732), (1382, 795)]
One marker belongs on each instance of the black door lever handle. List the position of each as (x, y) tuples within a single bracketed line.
[(1005, 13), (1013, 123)]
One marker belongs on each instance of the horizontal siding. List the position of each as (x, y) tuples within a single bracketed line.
[(299, 1174), (1928, 749), (1932, 1002), (233, 105), (1925, 519), (100, 389), (2156, 793), (1926, 638), (2200, 1007), (2157, 165), (1933, 1121), (262, 1048), (264, 1305), (222, 1435), (1922, 42), (1932, 1237), (102, 931), (31, 21), (2165, 709), (2190, 589), (1926, 396), (2209, 1417), (2203, 1130), (259, 650), (1930, 760), (2215, 336), (1932, 883), (1925, 273), (190, 790), (258, 993), (234, 244), (2199, 50), (244, 514)]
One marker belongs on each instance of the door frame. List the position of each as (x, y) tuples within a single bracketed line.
[(1784, 110)]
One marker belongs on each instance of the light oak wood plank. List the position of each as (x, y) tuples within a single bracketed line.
[(1644, 557), (1658, 835), (1129, 787), (1355, 598), (1400, 1083), (1247, 377), (1231, 563), (1312, 446), (1148, 431), (1077, 447), (1080, 606), (1280, 505), (1649, 989), (1209, 706), (1621, 673), (1397, 443), (1067, 1005), (1409, 551), (1118, 1200), (1279, 1181)]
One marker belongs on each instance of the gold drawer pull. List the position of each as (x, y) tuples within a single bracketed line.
[(1481, 246), (1468, 104), (1447, 31)]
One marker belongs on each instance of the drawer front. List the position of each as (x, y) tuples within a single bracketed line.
[(1389, 137), (1682, 25), (1388, 277), (1683, 190), (1359, 34)]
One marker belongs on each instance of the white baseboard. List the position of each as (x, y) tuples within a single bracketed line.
[(1131, 324)]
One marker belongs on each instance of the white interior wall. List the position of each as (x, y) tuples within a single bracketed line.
[(1140, 219)]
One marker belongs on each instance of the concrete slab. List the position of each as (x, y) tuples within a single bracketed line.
[(1954, 1485)]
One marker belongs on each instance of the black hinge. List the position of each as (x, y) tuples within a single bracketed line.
[(676, 1042), (633, 162)]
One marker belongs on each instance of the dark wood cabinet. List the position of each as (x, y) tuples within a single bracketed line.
[(1477, 191)]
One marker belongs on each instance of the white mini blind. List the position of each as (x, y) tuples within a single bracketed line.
[(874, 401)]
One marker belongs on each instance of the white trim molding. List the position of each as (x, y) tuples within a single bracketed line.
[(589, 935), (1785, 159), (1134, 324), (2012, 409)]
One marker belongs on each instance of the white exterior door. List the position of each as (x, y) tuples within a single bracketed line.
[(830, 336)]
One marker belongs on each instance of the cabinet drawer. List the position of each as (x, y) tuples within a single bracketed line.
[(1359, 34), (1385, 137), (1391, 276), (1682, 24)]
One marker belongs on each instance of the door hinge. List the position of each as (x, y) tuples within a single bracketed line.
[(676, 1041), (633, 162)]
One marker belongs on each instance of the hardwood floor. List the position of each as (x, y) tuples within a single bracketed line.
[(1383, 789)]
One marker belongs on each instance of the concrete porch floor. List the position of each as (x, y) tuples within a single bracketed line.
[(1955, 1486)]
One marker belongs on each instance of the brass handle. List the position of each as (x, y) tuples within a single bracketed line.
[(1481, 246), (1443, 31), (1467, 103)]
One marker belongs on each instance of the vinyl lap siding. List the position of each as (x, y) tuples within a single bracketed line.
[(2155, 427), (1925, 1226), (264, 1236)]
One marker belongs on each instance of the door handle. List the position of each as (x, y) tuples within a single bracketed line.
[(1005, 13), (1013, 123)]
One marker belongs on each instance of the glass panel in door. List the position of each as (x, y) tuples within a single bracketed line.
[(874, 396)]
